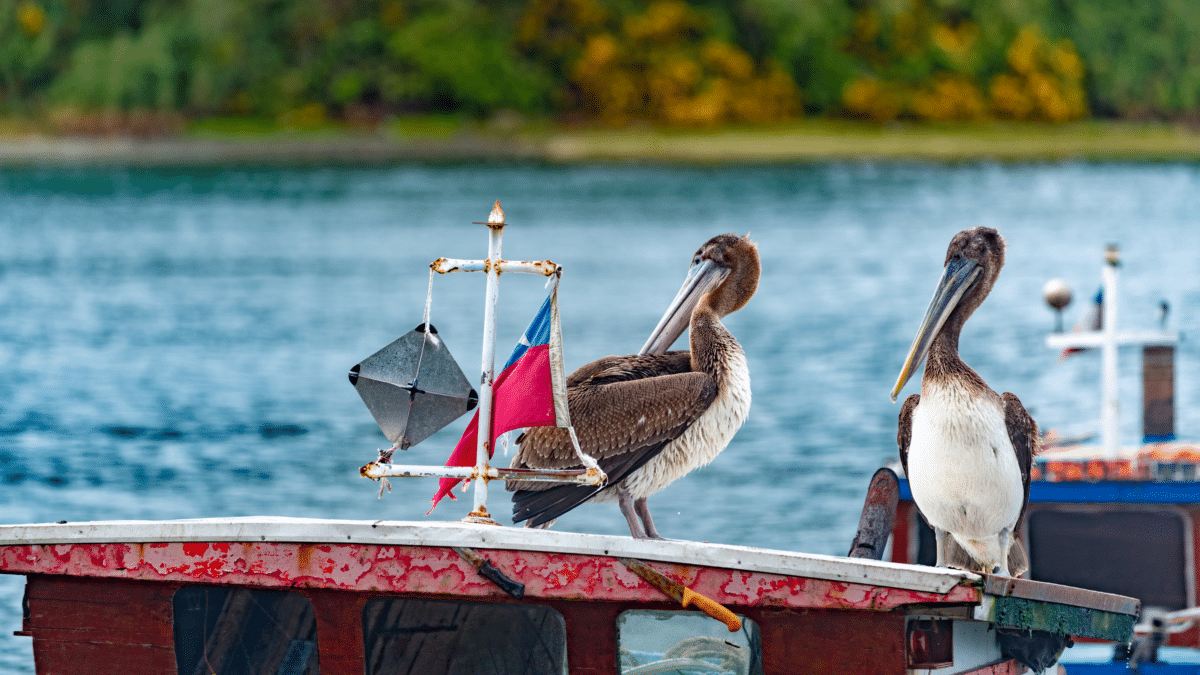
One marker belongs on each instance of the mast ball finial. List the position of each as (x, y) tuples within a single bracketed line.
[(1057, 293), (1112, 255)]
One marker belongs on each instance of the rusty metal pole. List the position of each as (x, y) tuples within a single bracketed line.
[(495, 223)]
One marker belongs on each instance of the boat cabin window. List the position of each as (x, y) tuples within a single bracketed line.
[(238, 631), (689, 643), (405, 636), (1139, 553)]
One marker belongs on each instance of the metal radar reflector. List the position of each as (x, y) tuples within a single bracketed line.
[(413, 387)]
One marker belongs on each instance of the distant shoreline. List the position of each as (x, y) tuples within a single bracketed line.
[(807, 141)]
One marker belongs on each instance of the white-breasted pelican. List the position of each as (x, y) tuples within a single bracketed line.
[(966, 450)]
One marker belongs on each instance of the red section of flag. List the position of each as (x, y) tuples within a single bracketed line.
[(524, 397), (527, 397)]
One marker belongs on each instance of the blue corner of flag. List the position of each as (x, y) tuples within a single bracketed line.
[(538, 333)]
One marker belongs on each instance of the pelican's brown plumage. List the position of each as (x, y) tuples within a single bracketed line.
[(966, 450), (650, 418)]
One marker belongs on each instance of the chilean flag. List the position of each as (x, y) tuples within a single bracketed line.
[(523, 394)]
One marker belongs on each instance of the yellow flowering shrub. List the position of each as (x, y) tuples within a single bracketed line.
[(31, 17), (1044, 81), (949, 98), (873, 99), (558, 29), (661, 65), (927, 63), (955, 41), (921, 64)]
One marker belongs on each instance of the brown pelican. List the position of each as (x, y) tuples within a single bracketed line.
[(966, 450), (650, 418)]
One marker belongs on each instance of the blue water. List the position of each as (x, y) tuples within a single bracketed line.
[(174, 343)]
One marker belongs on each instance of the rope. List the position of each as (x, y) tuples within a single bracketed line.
[(558, 373), (420, 355), (675, 666), (732, 657), (587, 459), (687, 654)]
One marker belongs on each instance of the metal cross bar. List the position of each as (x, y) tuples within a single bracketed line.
[(377, 470), (1146, 338), (448, 265)]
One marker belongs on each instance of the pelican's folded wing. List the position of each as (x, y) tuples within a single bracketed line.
[(622, 423)]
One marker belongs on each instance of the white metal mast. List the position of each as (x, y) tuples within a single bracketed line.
[(482, 472)]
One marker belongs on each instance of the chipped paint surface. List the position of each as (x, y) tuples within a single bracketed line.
[(439, 570), (489, 537)]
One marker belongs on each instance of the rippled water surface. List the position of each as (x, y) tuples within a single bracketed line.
[(174, 344)]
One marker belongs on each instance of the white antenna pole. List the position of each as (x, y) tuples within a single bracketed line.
[(1110, 429), (495, 225), (1109, 339)]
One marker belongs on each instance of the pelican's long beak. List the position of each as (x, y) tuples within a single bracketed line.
[(960, 274), (702, 277)]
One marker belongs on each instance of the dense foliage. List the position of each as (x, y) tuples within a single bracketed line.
[(694, 63)]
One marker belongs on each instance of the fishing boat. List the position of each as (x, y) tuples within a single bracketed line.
[(1107, 517), (283, 596)]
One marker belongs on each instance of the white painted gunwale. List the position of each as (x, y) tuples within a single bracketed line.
[(403, 533)]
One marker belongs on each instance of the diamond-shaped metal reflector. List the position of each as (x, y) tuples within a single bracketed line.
[(413, 387)]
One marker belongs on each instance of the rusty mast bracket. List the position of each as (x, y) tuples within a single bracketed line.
[(480, 516)]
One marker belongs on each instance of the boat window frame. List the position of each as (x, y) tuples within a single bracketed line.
[(1097, 508)]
